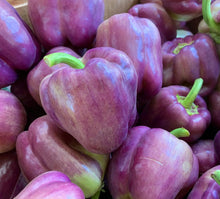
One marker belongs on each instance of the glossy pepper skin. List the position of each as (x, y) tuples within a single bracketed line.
[(182, 10), (177, 106), (159, 16), (50, 185), (63, 22), (95, 104), (140, 39), (186, 59), (41, 70), (45, 147), (151, 164), (19, 49), (206, 186)]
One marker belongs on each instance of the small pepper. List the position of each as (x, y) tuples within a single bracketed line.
[(176, 106), (186, 59)]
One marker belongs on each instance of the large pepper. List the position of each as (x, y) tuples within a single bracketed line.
[(45, 147), (19, 49), (140, 39), (152, 163), (95, 104), (51, 185), (186, 59), (176, 106), (182, 10), (64, 22), (41, 70), (159, 16)]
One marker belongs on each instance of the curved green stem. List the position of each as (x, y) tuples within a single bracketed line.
[(207, 16), (216, 176), (57, 58), (180, 132)]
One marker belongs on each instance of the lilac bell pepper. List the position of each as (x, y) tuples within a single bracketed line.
[(140, 39), (45, 147), (13, 120), (41, 70), (186, 59), (50, 185), (95, 104), (152, 163), (176, 106), (65, 22), (159, 16), (19, 49)]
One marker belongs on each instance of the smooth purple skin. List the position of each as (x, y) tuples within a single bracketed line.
[(159, 16), (60, 22), (97, 104), (217, 145), (198, 59), (41, 70), (164, 111), (9, 173), (16, 36), (45, 147), (140, 39), (151, 164), (13, 118), (205, 152), (183, 10), (7, 74), (205, 187), (50, 185)]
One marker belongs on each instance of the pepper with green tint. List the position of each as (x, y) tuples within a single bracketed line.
[(177, 106)]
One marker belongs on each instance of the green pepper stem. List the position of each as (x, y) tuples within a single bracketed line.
[(180, 132), (207, 16), (57, 58), (216, 176), (190, 98)]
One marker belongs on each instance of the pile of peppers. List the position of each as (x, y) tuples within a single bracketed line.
[(125, 107)]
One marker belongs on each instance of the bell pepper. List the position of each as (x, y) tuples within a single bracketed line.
[(217, 145), (210, 24), (159, 16), (13, 120), (45, 147), (205, 152), (64, 22), (140, 39), (186, 59), (181, 10), (176, 106), (152, 163), (207, 186), (19, 48), (50, 185), (9, 174), (41, 70), (95, 104)]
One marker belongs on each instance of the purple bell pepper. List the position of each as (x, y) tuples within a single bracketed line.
[(64, 22), (151, 164), (45, 147), (159, 16), (176, 106), (207, 186), (182, 10), (95, 104), (50, 185), (41, 70), (217, 145), (205, 152), (186, 59), (13, 120), (140, 39), (19, 48)]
